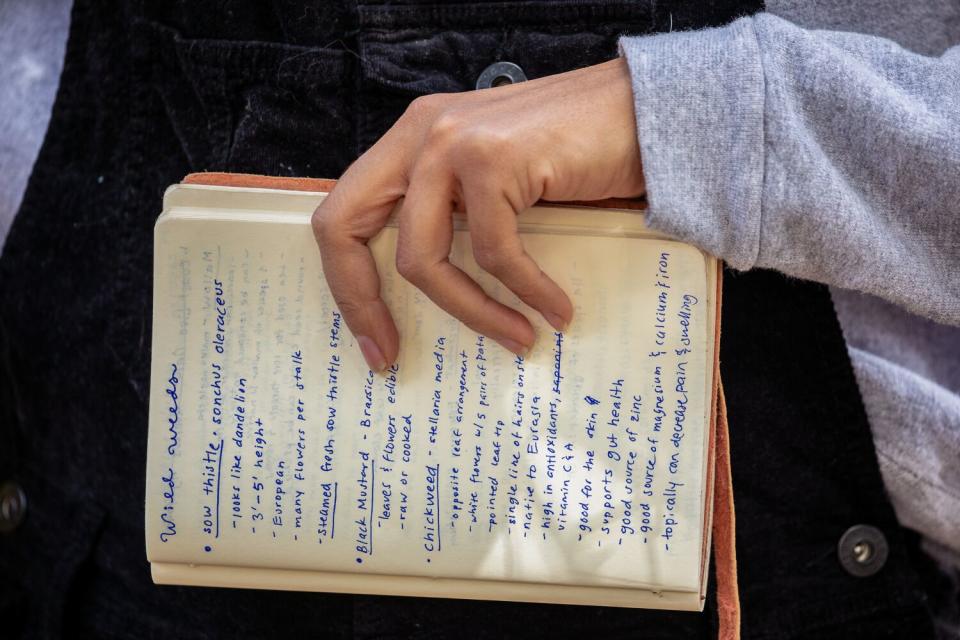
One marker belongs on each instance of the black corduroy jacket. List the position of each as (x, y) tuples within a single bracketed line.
[(153, 91)]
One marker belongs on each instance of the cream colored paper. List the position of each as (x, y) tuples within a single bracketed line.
[(256, 245)]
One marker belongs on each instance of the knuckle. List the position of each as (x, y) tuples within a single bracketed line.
[(526, 291), (348, 307), (421, 105), (447, 130), (330, 222), (320, 221), (491, 258), (484, 145), (424, 109), (409, 266)]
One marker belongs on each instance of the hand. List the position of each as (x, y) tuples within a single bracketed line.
[(492, 154)]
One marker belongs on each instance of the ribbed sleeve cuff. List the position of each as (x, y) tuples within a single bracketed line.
[(699, 101)]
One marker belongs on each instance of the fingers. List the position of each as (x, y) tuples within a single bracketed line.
[(355, 284), (498, 250), (356, 210), (423, 250), (437, 156)]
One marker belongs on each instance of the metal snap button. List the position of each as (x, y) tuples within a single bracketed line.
[(862, 550), (500, 73), (13, 506)]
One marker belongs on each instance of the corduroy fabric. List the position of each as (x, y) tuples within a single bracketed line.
[(151, 93)]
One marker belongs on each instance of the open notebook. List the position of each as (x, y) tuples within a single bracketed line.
[(583, 474)]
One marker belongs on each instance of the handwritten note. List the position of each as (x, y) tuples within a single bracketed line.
[(272, 445)]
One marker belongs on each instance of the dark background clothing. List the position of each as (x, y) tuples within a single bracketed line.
[(152, 92)]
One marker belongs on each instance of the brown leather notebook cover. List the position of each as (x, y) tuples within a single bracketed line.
[(724, 524)]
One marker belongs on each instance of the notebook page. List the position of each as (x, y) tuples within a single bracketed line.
[(271, 444)]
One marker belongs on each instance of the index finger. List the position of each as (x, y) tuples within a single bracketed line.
[(352, 214)]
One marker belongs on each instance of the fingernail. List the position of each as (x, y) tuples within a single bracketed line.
[(556, 321), (372, 354), (515, 347)]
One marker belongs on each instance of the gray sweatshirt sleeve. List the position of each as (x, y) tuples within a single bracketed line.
[(827, 155)]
